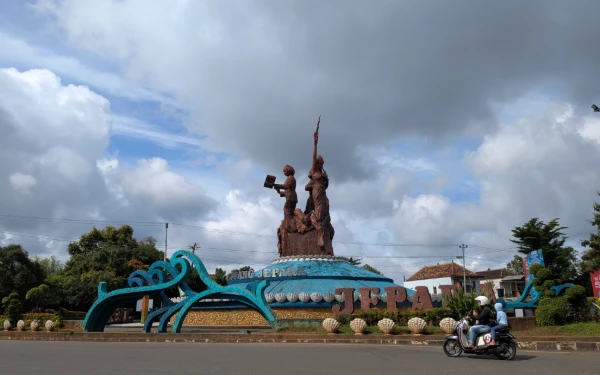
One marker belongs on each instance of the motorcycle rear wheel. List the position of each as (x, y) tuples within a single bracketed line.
[(510, 353), (452, 348)]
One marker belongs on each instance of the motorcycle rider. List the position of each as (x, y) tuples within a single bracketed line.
[(484, 317)]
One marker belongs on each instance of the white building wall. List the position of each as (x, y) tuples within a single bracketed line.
[(429, 283)]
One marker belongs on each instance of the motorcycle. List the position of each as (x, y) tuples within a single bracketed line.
[(505, 348)]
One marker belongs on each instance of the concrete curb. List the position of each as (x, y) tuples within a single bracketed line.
[(525, 343)]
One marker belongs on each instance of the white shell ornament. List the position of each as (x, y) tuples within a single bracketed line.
[(329, 297), (316, 297), (280, 297), (340, 297), (358, 326), (269, 297), (20, 325), (448, 325), (304, 297), (292, 297), (7, 325), (34, 325), (386, 326), (417, 326), (331, 325)]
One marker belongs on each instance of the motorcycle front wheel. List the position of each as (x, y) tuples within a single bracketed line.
[(507, 351), (452, 348)]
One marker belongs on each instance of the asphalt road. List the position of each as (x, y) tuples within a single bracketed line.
[(90, 358)]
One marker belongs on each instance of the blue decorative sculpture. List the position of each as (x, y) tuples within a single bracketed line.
[(535, 296), (534, 257), (155, 281)]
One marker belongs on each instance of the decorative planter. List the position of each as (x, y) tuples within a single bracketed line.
[(34, 325), (386, 326), (417, 326), (20, 325), (50, 325), (331, 325), (358, 326), (448, 325), (7, 325)]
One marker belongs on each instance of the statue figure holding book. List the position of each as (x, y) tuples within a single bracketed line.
[(309, 232)]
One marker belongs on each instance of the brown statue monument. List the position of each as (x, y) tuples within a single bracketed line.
[(309, 232)]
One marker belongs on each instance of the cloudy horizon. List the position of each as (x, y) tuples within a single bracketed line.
[(441, 125)]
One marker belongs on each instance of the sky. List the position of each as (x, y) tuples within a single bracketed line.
[(440, 125)]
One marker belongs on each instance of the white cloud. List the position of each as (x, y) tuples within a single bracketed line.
[(22, 182), (53, 146), (134, 128), (32, 56), (167, 192)]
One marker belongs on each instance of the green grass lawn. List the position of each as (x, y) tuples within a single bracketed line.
[(575, 329)]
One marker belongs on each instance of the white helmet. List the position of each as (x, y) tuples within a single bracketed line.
[(483, 300)]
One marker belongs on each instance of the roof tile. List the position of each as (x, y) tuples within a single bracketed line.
[(441, 270)]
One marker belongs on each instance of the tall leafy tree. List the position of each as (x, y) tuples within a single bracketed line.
[(559, 259), (221, 277), (18, 273), (51, 266), (108, 255), (516, 265), (590, 260)]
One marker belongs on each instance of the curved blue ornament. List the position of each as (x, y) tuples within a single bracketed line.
[(155, 281)]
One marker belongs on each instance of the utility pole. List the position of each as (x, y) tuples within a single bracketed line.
[(463, 247), (166, 235), (194, 247)]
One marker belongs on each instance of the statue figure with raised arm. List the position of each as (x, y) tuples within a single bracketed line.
[(320, 181)]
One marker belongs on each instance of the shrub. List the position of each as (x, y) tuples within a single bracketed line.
[(12, 307), (64, 313), (577, 296), (434, 316), (41, 318), (552, 311), (461, 304)]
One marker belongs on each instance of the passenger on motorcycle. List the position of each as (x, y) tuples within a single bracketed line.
[(484, 317), (502, 320)]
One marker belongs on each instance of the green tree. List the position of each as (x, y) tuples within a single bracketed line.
[(51, 266), (18, 273), (535, 234), (40, 295), (109, 255), (369, 268), (12, 307), (221, 277), (516, 265), (590, 260)]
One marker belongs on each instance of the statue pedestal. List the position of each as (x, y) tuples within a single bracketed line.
[(307, 244)]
